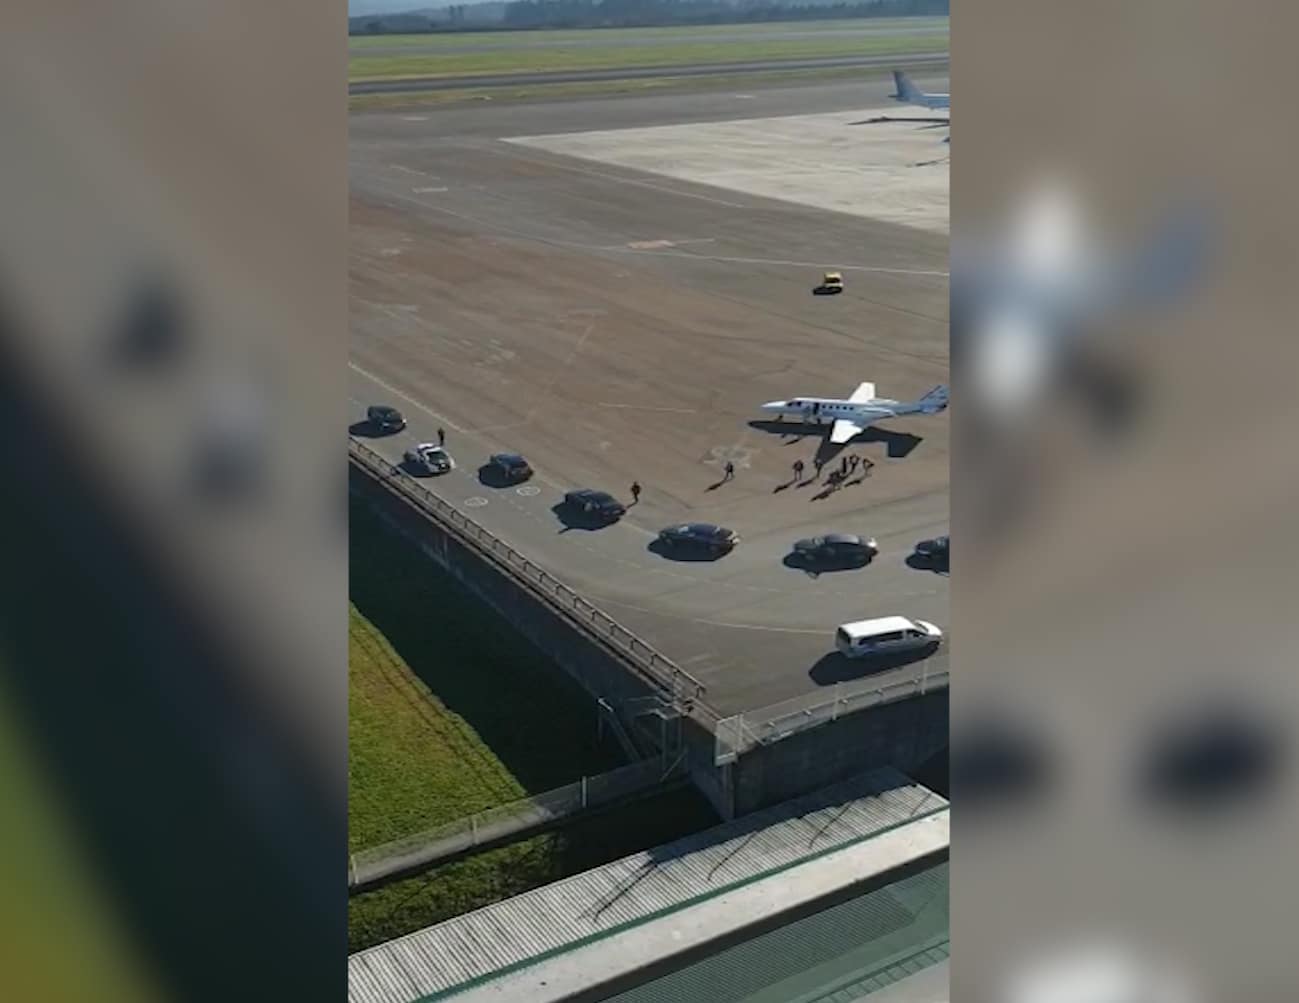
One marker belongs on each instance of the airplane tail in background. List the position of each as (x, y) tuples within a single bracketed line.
[(906, 90), (935, 401)]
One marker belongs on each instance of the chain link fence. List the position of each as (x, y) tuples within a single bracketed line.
[(682, 688), (741, 732), (515, 819)]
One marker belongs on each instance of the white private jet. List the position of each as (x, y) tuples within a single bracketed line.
[(853, 416)]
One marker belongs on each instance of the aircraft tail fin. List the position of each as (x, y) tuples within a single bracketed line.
[(906, 90), (935, 401)]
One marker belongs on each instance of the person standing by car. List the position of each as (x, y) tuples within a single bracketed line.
[(442, 436)]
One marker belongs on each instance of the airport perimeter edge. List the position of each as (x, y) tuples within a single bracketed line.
[(742, 762)]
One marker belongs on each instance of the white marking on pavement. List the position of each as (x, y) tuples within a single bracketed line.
[(410, 170), (422, 191), (405, 396), (709, 623), (647, 407), (528, 490), (613, 177), (781, 261), (616, 249), (754, 626), (477, 501)]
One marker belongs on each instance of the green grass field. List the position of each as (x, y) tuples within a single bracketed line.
[(694, 48), (412, 762), (610, 36), (458, 887), (451, 712), (415, 100)]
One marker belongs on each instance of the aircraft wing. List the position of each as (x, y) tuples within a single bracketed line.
[(863, 393), (844, 429)]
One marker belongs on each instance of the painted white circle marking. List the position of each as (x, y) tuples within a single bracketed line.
[(475, 502), (528, 490)]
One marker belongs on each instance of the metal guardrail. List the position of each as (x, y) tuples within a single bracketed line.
[(514, 819), (657, 667), (737, 734)]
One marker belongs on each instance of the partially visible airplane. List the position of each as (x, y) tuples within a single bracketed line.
[(853, 416), (909, 93)]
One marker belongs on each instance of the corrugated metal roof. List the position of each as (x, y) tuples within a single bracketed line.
[(597, 903)]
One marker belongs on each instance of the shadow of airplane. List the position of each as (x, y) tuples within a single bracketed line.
[(897, 444), (933, 123)]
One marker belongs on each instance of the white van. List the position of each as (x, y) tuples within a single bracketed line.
[(884, 636)]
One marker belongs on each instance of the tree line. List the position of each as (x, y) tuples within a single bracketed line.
[(635, 14), (644, 13)]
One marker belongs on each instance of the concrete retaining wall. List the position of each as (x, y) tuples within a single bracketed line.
[(903, 734), (594, 666)]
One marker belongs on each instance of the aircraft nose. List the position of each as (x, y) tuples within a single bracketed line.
[(773, 406)]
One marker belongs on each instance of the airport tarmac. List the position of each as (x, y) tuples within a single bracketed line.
[(615, 324)]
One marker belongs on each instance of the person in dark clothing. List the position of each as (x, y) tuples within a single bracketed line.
[(635, 492), (798, 470), (442, 436), (730, 471)]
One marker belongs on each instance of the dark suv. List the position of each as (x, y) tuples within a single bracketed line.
[(511, 468), (836, 548), (384, 419), (934, 551), (598, 505)]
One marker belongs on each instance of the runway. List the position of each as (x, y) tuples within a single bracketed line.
[(423, 84), (613, 325)]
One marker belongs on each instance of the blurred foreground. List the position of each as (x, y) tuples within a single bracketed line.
[(172, 632), (1125, 489)]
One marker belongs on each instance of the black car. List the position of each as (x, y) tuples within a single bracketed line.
[(706, 536), (935, 550), (836, 548), (510, 467), (595, 504), (384, 419)]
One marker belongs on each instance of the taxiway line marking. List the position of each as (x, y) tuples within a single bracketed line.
[(610, 177), (780, 261), (648, 407), (405, 396)]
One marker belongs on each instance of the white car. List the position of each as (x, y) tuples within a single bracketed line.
[(428, 458), (885, 636)]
